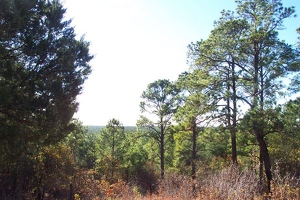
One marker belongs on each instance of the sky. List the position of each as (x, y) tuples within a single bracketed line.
[(136, 42)]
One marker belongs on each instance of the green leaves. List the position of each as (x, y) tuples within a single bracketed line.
[(160, 99), (42, 69), (245, 63)]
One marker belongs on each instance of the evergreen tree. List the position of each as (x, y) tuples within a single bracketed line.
[(244, 51), (42, 70), (111, 149), (159, 100)]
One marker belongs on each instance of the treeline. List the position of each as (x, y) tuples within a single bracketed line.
[(224, 111)]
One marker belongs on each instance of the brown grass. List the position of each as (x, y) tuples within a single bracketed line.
[(230, 183)]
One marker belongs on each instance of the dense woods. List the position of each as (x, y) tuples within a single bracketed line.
[(217, 132)]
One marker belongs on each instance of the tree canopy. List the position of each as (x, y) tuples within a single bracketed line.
[(219, 131), (42, 70), (244, 54)]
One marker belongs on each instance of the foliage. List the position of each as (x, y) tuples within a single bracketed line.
[(43, 68), (83, 147), (160, 100), (135, 157), (248, 62), (229, 183), (287, 141), (111, 149), (226, 108)]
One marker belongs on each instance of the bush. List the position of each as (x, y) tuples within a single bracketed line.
[(230, 183)]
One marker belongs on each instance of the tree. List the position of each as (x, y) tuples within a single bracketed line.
[(244, 51), (43, 68), (269, 60), (286, 140), (82, 145), (135, 157), (295, 79), (218, 57), (193, 113), (111, 148), (159, 100)]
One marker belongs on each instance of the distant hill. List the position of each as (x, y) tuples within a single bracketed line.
[(96, 129)]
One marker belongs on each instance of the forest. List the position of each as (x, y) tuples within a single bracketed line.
[(227, 128)]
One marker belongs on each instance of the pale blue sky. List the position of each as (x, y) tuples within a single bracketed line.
[(136, 42)]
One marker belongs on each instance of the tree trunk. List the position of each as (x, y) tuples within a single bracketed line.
[(232, 111), (233, 148), (266, 159), (260, 173), (234, 115), (194, 151), (71, 195), (162, 153)]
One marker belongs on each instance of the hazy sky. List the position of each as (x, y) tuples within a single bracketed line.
[(136, 42)]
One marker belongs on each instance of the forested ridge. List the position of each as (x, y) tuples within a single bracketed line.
[(219, 131)]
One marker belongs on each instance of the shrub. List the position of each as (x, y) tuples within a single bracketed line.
[(230, 183)]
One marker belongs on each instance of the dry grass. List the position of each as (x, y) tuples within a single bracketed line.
[(230, 183), (285, 187)]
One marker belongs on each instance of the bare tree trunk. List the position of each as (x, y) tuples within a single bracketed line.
[(266, 159), (194, 151), (162, 153), (234, 115), (194, 154), (71, 196), (233, 148)]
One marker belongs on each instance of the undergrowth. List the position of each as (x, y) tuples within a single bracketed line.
[(230, 183)]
